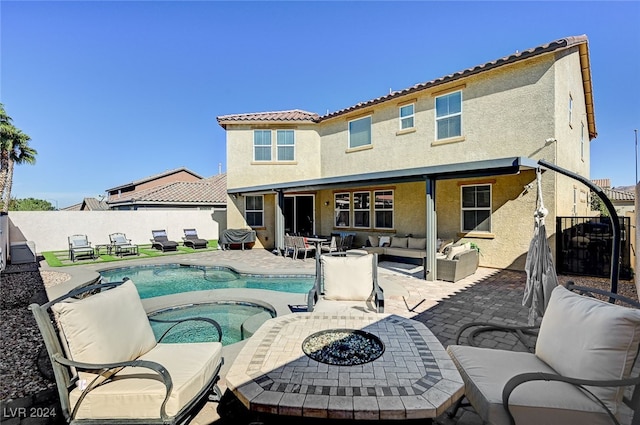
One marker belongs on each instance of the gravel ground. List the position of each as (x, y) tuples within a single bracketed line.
[(20, 341)]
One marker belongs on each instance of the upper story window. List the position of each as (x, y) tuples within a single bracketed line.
[(476, 208), (570, 109), (449, 115), (341, 209), (262, 145), (383, 209), (581, 140), (360, 132), (285, 141), (406, 116), (254, 210)]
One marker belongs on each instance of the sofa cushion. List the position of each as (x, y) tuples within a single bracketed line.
[(417, 243), (485, 371), (373, 240), (405, 252), (398, 242), (108, 327), (138, 393), (587, 338), (455, 250), (347, 278)]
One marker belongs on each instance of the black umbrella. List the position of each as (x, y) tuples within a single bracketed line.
[(541, 272)]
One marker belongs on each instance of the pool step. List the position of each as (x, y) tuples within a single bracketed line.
[(251, 325)]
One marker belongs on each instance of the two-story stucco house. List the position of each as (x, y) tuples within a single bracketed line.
[(452, 158)]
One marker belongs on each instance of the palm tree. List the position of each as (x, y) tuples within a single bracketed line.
[(14, 149)]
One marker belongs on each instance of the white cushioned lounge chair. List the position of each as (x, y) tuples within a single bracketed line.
[(583, 360), (110, 369), (347, 282)]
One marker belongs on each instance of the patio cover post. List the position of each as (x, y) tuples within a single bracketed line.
[(432, 229), (279, 230)]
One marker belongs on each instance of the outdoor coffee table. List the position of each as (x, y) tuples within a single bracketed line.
[(413, 378)]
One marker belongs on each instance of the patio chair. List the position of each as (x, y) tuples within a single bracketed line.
[(289, 246), (301, 245), (583, 360), (347, 282), (332, 245), (79, 246), (108, 366), (161, 241), (192, 240), (120, 245)]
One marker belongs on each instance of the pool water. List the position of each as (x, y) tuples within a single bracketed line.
[(230, 315), (154, 281)]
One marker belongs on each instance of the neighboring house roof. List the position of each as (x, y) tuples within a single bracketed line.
[(602, 183), (88, 204), (208, 191), (619, 195), (294, 115), (563, 43), (154, 177)]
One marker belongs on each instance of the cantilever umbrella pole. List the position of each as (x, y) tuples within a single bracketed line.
[(615, 221)]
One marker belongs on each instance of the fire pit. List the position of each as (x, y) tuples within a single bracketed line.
[(343, 347)]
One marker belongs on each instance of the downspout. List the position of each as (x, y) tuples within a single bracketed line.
[(615, 221)]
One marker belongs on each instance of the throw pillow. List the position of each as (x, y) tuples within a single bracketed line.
[(398, 242), (384, 241), (455, 250), (591, 339), (374, 240), (417, 243)]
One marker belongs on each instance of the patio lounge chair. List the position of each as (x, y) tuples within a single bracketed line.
[(79, 246), (108, 366), (120, 245), (583, 360), (346, 282), (161, 241), (192, 240)]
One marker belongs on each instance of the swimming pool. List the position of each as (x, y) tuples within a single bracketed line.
[(231, 316), (166, 279)]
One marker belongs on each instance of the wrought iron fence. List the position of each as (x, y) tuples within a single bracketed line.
[(584, 246)]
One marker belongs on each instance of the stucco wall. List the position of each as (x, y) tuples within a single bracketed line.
[(50, 229), (243, 171)]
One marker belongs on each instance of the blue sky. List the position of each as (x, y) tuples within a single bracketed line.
[(111, 92)]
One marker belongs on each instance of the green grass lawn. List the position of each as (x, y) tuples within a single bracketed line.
[(61, 258)]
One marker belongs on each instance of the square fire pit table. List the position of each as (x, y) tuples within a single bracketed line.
[(413, 378)]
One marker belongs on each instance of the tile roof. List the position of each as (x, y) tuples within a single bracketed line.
[(295, 115), (153, 177), (602, 183), (563, 43), (208, 191), (619, 195)]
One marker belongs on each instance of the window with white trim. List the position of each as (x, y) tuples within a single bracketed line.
[(285, 141), (254, 210), (570, 109), (383, 209), (361, 209), (476, 208), (360, 132), (262, 145), (342, 207), (406, 116), (581, 140), (449, 115)]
